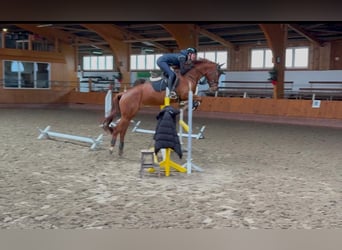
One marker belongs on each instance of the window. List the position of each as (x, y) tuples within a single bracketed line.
[(141, 60), (220, 57), (133, 62), (98, 63), (297, 57), (150, 61), (19, 74), (144, 62), (261, 59)]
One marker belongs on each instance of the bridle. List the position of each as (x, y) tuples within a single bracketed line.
[(211, 76)]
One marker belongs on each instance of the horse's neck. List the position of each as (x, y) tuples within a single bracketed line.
[(195, 74), (188, 80)]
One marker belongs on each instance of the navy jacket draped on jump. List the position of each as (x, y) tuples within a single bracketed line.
[(166, 132)]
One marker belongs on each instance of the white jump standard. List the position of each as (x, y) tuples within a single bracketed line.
[(46, 133)]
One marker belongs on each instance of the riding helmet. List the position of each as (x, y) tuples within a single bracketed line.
[(191, 50)]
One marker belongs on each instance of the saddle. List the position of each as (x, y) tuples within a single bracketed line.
[(159, 82), (155, 77)]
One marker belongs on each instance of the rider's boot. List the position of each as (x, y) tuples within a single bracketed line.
[(172, 94)]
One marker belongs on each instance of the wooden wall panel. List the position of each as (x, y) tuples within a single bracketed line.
[(336, 55), (274, 107), (67, 71), (21, 96), (239, 59), (96, 98)]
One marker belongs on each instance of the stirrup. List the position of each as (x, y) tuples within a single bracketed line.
[(173, 95)]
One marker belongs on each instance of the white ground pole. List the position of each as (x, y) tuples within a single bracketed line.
[(141, 130), (189, 165), (46, 133)]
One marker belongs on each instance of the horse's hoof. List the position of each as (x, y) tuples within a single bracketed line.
[(182, 103), (195, 105), (111, 149), (120, 152)]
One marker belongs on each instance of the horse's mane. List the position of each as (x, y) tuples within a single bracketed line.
[(201, 60)]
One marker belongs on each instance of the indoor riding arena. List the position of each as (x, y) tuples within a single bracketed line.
[(269, 156), (255, 175)]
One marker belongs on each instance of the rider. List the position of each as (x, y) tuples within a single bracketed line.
[(181, 60)]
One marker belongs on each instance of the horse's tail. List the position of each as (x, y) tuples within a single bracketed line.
[(115, 103), (106, 124)]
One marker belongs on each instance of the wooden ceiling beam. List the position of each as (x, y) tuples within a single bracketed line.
[(52, 33), (150, 40), (214, 37), (306, 34), (224, 25), (139, 38), (47, 32), (186, 35)]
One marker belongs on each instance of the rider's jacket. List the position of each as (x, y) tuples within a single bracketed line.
[(179, 60)]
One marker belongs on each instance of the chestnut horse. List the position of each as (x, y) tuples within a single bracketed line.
[(128, 103)]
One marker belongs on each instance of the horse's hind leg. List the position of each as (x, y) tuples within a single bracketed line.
[(125, 124), (113, 141)]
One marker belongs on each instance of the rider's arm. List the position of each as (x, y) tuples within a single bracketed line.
[(183, 65)]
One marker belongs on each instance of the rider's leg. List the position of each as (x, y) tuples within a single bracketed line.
[(167, 71), (170, 84)]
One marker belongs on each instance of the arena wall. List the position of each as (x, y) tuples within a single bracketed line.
[(258, 106)]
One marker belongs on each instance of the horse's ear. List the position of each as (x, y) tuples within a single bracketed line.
[(219, 68)]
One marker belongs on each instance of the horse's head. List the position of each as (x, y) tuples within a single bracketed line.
[(213, 76), (211, 71)]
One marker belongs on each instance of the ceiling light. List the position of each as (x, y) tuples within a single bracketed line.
[(147, 50), (97, 52), (44, 25)]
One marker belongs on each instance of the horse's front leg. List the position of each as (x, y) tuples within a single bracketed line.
[(196, 101), (113, 140)]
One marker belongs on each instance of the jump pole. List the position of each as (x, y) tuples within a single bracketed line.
[(199, 135), (46, 133)]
